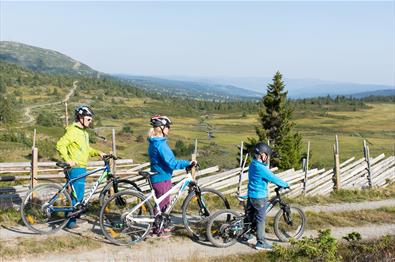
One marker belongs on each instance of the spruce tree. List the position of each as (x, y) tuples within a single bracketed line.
[(277, 127)]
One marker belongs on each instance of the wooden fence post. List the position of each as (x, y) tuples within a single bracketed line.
[(34, 139), (193, 158), (268, 158), (367, 159), (241, 173), (241, 153), (336, 169), (306, 168), (34, 168), (114, 152)]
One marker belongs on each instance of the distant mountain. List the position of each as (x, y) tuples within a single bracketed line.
[(386, 92), (43, 60), (297, 88), (202, 90)]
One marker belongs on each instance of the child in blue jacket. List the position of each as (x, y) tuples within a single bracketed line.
[(162, 160), (259, 176)]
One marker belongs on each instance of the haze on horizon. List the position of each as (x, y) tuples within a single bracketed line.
[(337, 41)]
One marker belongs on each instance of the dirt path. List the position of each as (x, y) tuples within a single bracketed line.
[(182, 248), (28, 109), (185, 249), (91, 226)]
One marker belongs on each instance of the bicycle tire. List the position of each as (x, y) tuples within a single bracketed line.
[(282, 229), (113, 223), (224, 228), (193, 219), (33, 215), (125, 185)]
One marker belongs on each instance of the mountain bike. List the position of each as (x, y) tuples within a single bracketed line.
[(225, 227), (131, 223), (47, 208)]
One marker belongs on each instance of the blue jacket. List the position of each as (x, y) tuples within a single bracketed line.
[(258, 177), (163, 160)]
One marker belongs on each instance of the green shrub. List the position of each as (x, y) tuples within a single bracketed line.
[(322, 248), (181, 149)]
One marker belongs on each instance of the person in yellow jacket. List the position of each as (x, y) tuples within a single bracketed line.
[(74, 148)]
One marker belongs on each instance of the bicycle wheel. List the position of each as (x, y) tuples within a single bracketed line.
[(36, 213), (114, 223), (196, 211), (289, 223), (224, 228), (122, 184)]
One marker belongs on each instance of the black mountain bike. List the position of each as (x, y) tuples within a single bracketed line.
[(47, 208), (225, 227)]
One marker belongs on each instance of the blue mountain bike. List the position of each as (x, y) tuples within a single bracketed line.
[(47, 208)]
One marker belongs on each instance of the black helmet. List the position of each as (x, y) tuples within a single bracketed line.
[(261, 147), (156, 121), (83, 110)]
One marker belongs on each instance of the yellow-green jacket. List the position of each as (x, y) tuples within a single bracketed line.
[(74, 146)]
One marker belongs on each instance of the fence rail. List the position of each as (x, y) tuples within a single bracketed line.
[(362, 173)]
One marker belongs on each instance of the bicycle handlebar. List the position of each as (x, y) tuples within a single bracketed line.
[(193, 164), (110, 156), (106, 158)]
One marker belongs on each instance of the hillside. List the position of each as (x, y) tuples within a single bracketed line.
[(195, 89), (297, 88), (43, 60)]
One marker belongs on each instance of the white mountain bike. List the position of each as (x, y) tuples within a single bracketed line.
[(127, 217)]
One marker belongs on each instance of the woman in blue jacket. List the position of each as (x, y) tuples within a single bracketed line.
[(259, 175), (162, 160)]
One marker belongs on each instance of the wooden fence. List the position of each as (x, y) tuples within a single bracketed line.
[(362, 173)]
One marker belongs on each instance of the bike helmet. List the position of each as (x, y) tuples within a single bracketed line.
[(158, 120), (261, 147), (83, 110)]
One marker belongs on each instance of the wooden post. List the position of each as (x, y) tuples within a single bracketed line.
[(193, 158), (241, 153), (367, 159), (114, 152), (34, 139), (241, 174), (306, 168), (268, 157), (34, 167), (66, 114), (337, 163)]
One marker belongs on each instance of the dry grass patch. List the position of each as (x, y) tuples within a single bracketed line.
[(33, 246)]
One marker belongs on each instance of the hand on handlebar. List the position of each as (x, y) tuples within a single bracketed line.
[(192, 164)]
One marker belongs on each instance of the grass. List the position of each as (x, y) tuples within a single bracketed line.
[(319, 220), (347, 196), (33, 246), (382, 249)]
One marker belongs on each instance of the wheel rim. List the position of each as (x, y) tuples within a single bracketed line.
[(117, 228), (37, 216), (293, 230), (196, 218)]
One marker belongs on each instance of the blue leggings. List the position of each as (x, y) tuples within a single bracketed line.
[(79, 187)]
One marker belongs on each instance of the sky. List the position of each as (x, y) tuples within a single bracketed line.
[(337, 41)]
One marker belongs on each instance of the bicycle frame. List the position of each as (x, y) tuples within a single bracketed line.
[(180, 187), (106, 172)]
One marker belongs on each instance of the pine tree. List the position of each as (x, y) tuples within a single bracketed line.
[(276, 126)]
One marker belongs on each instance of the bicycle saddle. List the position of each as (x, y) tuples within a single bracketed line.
[(147, 174)]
